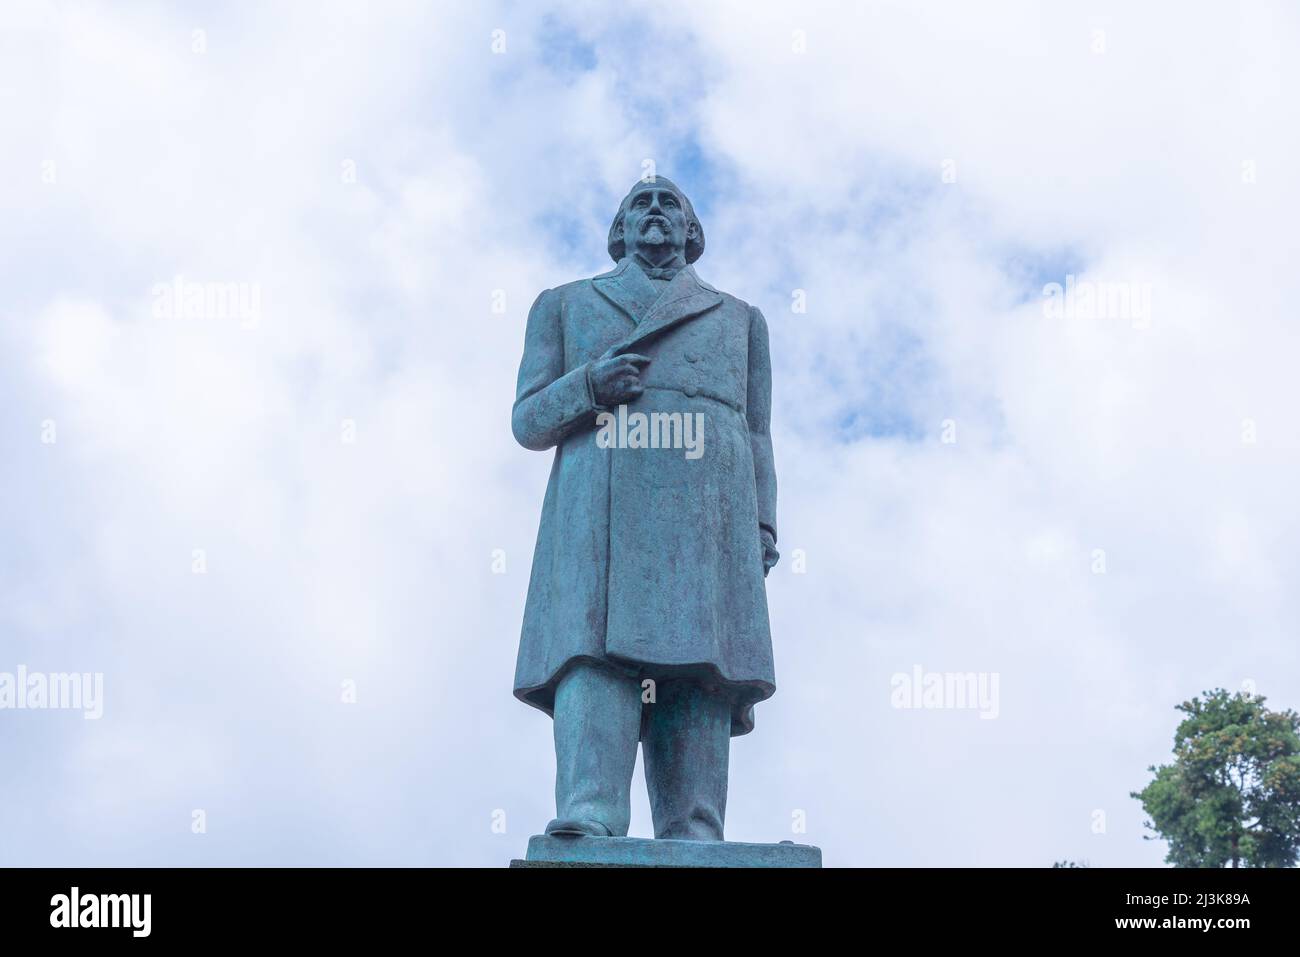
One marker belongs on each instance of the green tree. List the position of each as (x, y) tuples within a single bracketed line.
[(1232, 794)]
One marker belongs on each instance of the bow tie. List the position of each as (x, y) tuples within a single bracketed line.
[(661, 272)]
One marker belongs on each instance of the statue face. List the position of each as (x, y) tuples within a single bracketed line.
[(655, 221)]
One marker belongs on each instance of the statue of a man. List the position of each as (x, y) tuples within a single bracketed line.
[(646, 617)]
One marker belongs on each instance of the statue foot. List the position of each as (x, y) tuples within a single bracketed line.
[(578, 829)]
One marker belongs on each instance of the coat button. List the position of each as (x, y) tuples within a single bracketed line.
[(692, 357), (691, 391)]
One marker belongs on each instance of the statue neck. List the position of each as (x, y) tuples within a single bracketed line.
[(659, 258)]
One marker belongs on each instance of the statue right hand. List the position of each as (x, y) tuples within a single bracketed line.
[(617, 378)]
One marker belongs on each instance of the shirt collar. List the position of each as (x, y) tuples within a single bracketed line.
[(657, 272)]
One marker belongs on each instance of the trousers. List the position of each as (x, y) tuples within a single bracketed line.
[(684, 727)]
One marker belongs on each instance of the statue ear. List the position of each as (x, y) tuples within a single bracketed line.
[(614, 244), (694, 240)]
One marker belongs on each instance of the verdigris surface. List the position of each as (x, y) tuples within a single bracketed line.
[(544, 851), (646, 618)]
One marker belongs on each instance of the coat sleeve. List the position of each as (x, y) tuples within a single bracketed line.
[(549, 402), (758, 410)]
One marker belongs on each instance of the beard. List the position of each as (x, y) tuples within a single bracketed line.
[(654, 232)]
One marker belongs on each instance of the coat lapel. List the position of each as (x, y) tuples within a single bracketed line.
[(685, 298), (628, 288)]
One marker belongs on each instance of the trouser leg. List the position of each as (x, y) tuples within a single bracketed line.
[(686, 743), (597, 723)]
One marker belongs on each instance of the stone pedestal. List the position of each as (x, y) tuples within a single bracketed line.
[(548, 851)]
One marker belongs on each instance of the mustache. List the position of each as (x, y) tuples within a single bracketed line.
[(660, 221)]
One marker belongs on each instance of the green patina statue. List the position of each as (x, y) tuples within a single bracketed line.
[(646, 617)]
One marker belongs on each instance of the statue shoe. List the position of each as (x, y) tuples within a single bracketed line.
[(560, 828)]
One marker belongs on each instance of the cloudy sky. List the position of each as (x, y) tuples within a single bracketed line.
[(245, 519)]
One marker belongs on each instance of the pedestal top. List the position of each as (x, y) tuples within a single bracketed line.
[(552, 851)]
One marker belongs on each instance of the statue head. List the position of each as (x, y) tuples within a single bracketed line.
[(656, 220)]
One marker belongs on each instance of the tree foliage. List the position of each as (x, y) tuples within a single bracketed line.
[(1232, 794)]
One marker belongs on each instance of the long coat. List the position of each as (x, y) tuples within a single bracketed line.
[(647, 559)]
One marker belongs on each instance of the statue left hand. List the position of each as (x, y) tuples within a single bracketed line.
[(770, 554)]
